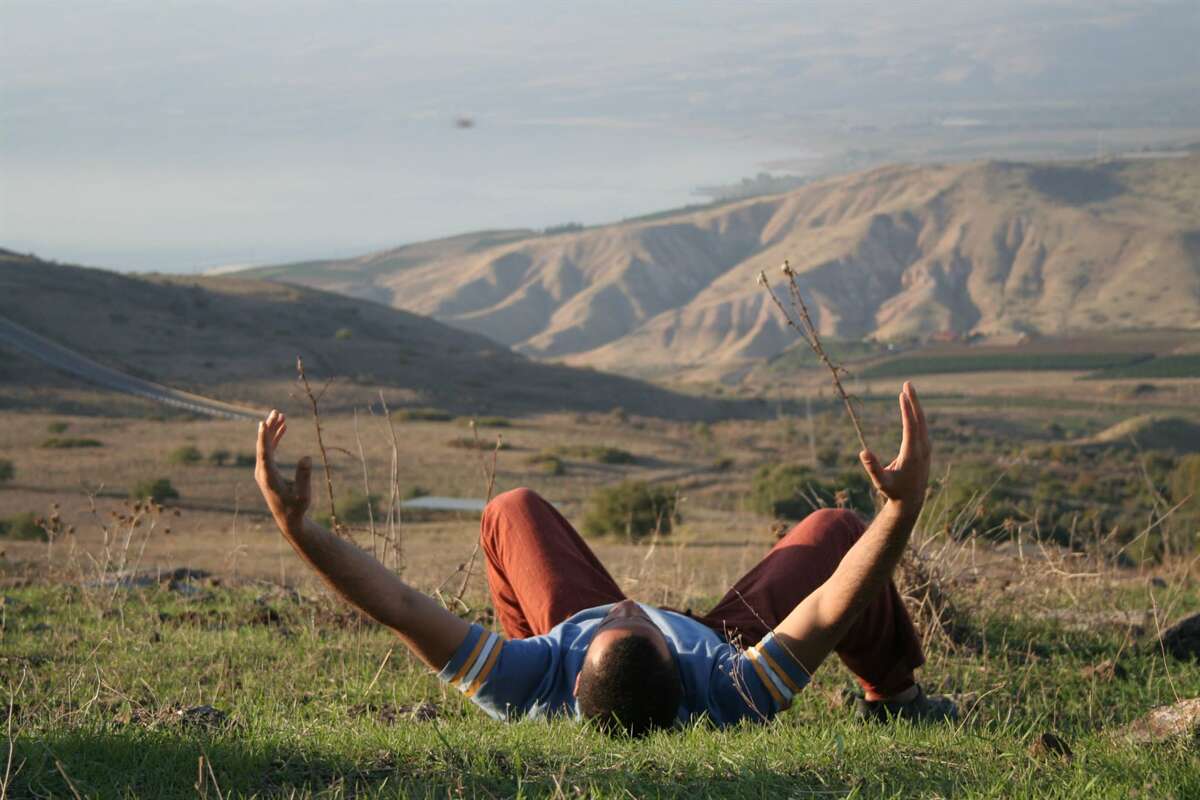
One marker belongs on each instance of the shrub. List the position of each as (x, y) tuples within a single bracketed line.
[(159, 490), (787, 491), (592, 452), (57, 427), (7, 471), (67, 443), (424, 415), (547, 463), (790, 491), (23, 526), (632, 510), (353, 508), (219, 458), (471, 443), (493, 422), (342, 334), (187, 454), (244, 460)]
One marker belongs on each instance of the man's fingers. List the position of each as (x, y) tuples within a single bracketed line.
[(907, 422), (922, 426), (279, 432), (261, 449), (871, 465)]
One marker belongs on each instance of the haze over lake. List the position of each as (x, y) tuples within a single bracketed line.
[(179, 136)]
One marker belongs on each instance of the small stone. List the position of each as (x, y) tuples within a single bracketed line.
[(1050, 744), (1178, 721)]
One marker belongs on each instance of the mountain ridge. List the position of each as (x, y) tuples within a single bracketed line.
[(993, 249)]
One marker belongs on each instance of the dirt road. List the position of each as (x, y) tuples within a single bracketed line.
[(24, 341)]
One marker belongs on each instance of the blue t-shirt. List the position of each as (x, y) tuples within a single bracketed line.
[(535, 677)]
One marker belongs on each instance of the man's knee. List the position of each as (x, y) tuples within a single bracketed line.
[(514, 502), (829, 525)]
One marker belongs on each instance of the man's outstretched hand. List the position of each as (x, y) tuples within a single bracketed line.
[(287, 499), (904, 480)]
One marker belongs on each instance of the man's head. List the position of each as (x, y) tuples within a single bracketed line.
[(629, 681)]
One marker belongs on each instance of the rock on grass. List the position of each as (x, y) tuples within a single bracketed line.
[(1178, 721)]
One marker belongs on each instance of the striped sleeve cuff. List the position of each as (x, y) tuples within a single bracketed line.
[(470, 667), (779, 673)]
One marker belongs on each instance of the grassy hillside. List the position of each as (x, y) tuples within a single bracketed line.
[(237, 340), (995, 249)]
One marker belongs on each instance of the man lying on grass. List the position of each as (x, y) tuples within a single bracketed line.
[(574, 645)]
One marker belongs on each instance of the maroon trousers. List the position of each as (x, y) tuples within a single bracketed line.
[(540, 571)]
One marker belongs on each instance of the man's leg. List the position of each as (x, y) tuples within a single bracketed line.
[(881, 648), (539, 569)]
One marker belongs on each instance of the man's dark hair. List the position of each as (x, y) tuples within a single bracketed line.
[(632, 689)]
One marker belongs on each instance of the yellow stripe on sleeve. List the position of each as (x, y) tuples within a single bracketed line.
[(774, 665), (766, 680), (466, 665), (487, 668)]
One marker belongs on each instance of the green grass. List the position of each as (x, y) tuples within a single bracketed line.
[(98, 686), (1183, 366), (905, 366)]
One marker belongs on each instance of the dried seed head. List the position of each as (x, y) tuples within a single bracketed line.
[(762, 278), (786, 269)]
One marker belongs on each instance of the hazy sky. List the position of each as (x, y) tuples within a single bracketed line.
[(151, 134)]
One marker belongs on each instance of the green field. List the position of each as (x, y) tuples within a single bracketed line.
[(314, 705), (908, 366), (1182, 366)]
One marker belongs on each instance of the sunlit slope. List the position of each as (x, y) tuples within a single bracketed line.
[(989, 248)]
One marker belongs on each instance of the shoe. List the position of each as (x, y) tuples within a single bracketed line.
[(921, 709)]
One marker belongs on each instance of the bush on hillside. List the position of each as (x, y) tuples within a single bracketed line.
[(355, 508), (7, 470), (482, 443), (792, 491), (632, 510), (598, 453), (69, 443), (423, 415), (187, 454), (57, 427), (159, 490), (25, 526), (547, 463), (219, 458)]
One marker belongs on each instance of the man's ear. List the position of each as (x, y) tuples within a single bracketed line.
[(575, 691)]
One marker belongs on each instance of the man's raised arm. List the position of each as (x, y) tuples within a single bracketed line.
[(814, 628), (430, 631)]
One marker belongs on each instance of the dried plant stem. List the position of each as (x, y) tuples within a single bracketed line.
[(362, 457), (467, 568), (394, 519), (312, 401), (808, 332)]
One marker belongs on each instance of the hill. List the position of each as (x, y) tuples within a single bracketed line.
[(994, 249), (236, 340)]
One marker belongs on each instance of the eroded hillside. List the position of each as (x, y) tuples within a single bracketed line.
[(996, 249)]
